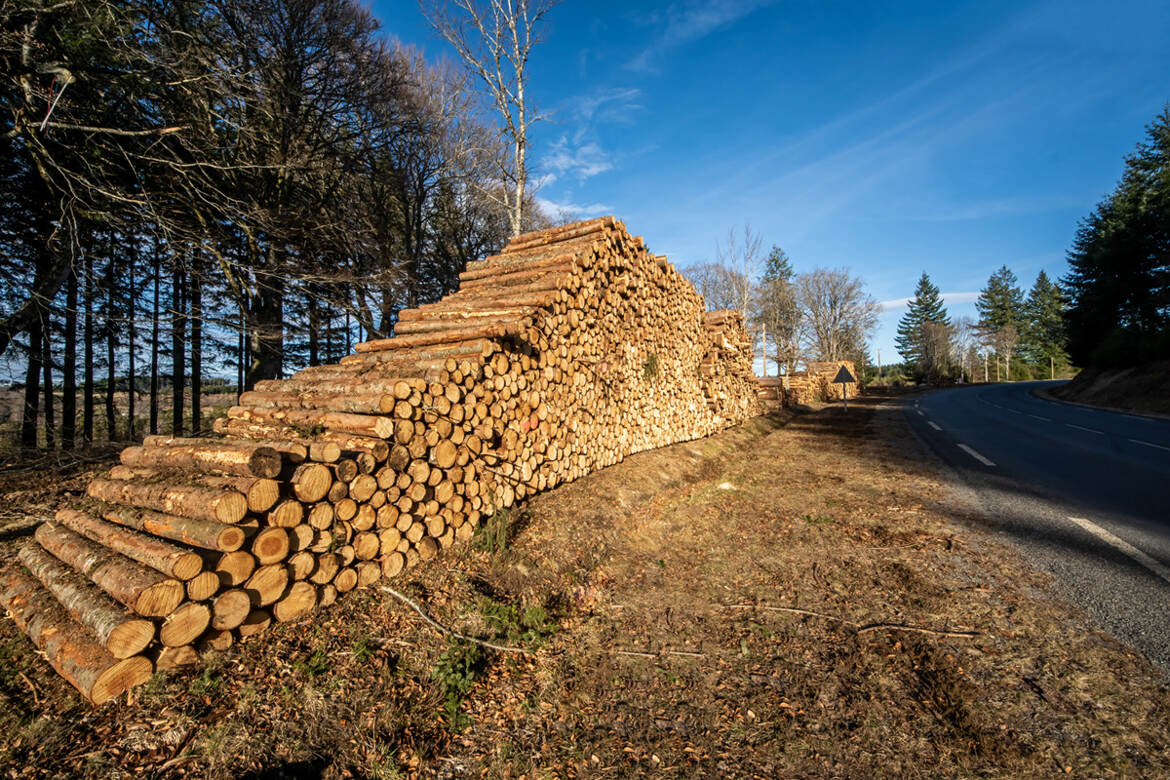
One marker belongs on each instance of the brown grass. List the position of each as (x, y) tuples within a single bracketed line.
[(648, 594)]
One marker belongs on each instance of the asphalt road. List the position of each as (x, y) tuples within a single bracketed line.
[(1085, 493)]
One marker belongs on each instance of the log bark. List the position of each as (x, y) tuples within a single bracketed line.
[(230, 458), (171, 560), (208, 534), (67, 646), (121, 632), (142, 589), (199, 503)]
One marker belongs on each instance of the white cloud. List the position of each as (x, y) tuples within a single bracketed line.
[(576, 210), (950, 299), (691, 21), (582, 160)]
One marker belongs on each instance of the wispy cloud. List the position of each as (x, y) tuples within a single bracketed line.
[(950, 299), (609, 104), (562, 209), (690, 21), (572, 158)]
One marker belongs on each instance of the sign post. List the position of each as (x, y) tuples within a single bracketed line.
[(844, 378)]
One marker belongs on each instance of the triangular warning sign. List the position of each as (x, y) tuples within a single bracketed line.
[(843, 376)]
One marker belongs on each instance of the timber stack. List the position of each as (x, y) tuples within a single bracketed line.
[(568, 351), (811, 384)]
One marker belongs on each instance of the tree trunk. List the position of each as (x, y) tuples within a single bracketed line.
[(47, 366), (131, 376), (87, 395), (178, 356), (32, 387), (69, 366), (266, 320), (154, 346), (314, 328), (111, 343), (196, 288), (241, 354)]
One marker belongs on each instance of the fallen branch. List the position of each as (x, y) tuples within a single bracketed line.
[(860, 628), (659, 654), (448, 631)]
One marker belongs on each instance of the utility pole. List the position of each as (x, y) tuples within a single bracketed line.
[(879, 366), (764, 346), (1052, 366)]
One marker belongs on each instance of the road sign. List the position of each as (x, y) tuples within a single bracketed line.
[(844, 378)]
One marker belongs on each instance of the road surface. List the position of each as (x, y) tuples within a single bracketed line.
[(1085, 492)]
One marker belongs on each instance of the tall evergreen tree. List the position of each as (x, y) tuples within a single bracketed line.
[(1119, 283), (1001, 313), (778, 311), (1042, 341), (925, 308)]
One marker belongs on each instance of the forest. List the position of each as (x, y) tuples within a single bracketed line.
[(221, 189)]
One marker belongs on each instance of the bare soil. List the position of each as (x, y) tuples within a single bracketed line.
[(1138, 389), (792, 597)]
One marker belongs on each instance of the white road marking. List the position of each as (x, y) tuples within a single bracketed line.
[(1124, 546), (921, 413), (1150, 444), (1083, 428), (932, 425), (1013, 411), (975, 455), (1038, 417)]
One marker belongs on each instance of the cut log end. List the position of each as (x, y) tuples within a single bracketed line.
[(160, 599), (185, 624), (130, 638), (121, 677)]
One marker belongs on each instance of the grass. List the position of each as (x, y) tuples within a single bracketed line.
[(454, 673)]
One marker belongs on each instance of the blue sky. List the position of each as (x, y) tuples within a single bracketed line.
[(887, 138)]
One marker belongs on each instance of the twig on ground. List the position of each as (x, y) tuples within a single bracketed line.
[(448, 631), (861, 628), (659, 654), (32, 688)]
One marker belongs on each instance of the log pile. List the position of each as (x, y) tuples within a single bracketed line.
[(814, 383), (570, 350)]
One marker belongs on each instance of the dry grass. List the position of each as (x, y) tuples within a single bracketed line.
[(651, 596)]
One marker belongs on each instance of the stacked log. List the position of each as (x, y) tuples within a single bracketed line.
[(812, 384), (572, 349)]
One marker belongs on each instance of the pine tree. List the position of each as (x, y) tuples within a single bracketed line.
[(1042, 341), (777, 309), (925, 308), (1119, 283), (1001, 313)]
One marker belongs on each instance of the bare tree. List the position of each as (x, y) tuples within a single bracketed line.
[(741, 256), (719, 285), (964, 345), (840, 314), (495, 42), (937, 346)]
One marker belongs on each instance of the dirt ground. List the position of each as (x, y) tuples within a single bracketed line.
[(1138, 389), (795, 597)]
